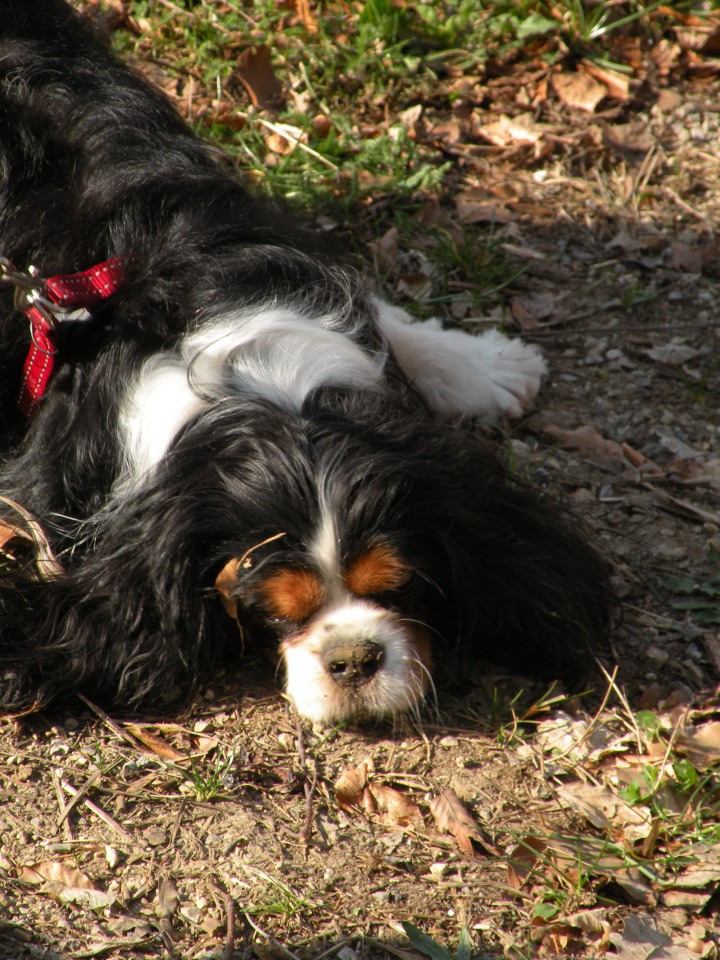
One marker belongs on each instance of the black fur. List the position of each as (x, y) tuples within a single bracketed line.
[(95, 164)]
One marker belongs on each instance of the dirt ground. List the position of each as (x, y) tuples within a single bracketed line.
[(220, 834)]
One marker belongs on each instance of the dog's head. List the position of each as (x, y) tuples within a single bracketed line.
[(376, 546), (350, 626)]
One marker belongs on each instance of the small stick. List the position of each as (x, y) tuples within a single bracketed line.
[(99, 812)]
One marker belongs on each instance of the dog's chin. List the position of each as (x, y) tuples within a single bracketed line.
[(356, 661)]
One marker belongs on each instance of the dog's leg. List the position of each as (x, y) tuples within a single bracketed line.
[(487, 376)]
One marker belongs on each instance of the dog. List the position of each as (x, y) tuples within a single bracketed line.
[(223, 439)]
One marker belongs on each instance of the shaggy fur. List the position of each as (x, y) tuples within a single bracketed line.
[(241, 437)]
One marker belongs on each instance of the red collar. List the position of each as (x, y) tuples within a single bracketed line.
[(48, 304)]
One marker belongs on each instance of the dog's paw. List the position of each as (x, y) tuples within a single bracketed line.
[(513, 370), (487, 376)]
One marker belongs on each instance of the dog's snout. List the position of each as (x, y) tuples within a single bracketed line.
[(353, 663)]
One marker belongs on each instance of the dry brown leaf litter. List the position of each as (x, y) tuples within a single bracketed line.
[(609, 206)]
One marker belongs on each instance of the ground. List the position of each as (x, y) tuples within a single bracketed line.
[(515, 819)]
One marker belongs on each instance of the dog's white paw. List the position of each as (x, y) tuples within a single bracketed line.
[(514, 371), (487, 376)]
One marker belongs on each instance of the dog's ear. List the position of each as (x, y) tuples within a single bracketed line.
[(108, 625), (523, 587)]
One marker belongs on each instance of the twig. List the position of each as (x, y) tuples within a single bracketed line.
[(109, 722), (596, 719), (99, 812), (625, 705), (309, 787), (270, 939), (77, 796), (229, 951), (64, 808), (281, 130)]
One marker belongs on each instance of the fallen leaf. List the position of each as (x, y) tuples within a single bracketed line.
[(522, 858), (700, 744), (642, 939), (674, 354), (167, 899), (529, 310), (692, 257), (154, 743), (255, 71), (578, 90), (589, 921), (452, 817), (635, 137), (350, 785), (28, 534), (66, 883), (522, 130), (605, 810), (473, 207), (589, 445), (588, 856), (395, 807), (705, 872), (283, 138), (54, 871), (617, 85)]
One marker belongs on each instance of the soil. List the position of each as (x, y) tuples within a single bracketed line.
[(230, 811)]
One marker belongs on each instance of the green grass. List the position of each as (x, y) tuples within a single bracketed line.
[(347, 78), (697, 597)]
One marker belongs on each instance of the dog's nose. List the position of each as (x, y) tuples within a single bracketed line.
[(353, 663)]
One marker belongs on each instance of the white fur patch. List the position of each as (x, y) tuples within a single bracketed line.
[(456, 372), (397, 686), (273, 353)]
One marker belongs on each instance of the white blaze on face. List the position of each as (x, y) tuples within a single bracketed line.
[(396, 686)]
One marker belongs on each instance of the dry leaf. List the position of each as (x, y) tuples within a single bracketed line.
[(350, 785), (225, 582), (353, 789), (617, 85), (255, 70), (66, 883), (54, 871), (167, 899), (705, 872), (589, 445), (520, 131), (701, 744), (529, 310), (642, 939), (31, 535), (473, 207), (522, 858), (590, 921), (578, 90), (395, 807), (633, 137), (154, 743), (283, 137), (385, 249), (691, 258), (605, 810), (587, 856), (454, 818)]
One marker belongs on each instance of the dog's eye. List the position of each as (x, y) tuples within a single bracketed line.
[(397, 594)]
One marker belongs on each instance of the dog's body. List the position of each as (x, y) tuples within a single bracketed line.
[(238, 421)]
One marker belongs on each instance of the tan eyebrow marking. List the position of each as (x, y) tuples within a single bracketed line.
[(377, 570), (293, 594)]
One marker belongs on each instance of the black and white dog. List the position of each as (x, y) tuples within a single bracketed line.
[(214, 420)]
